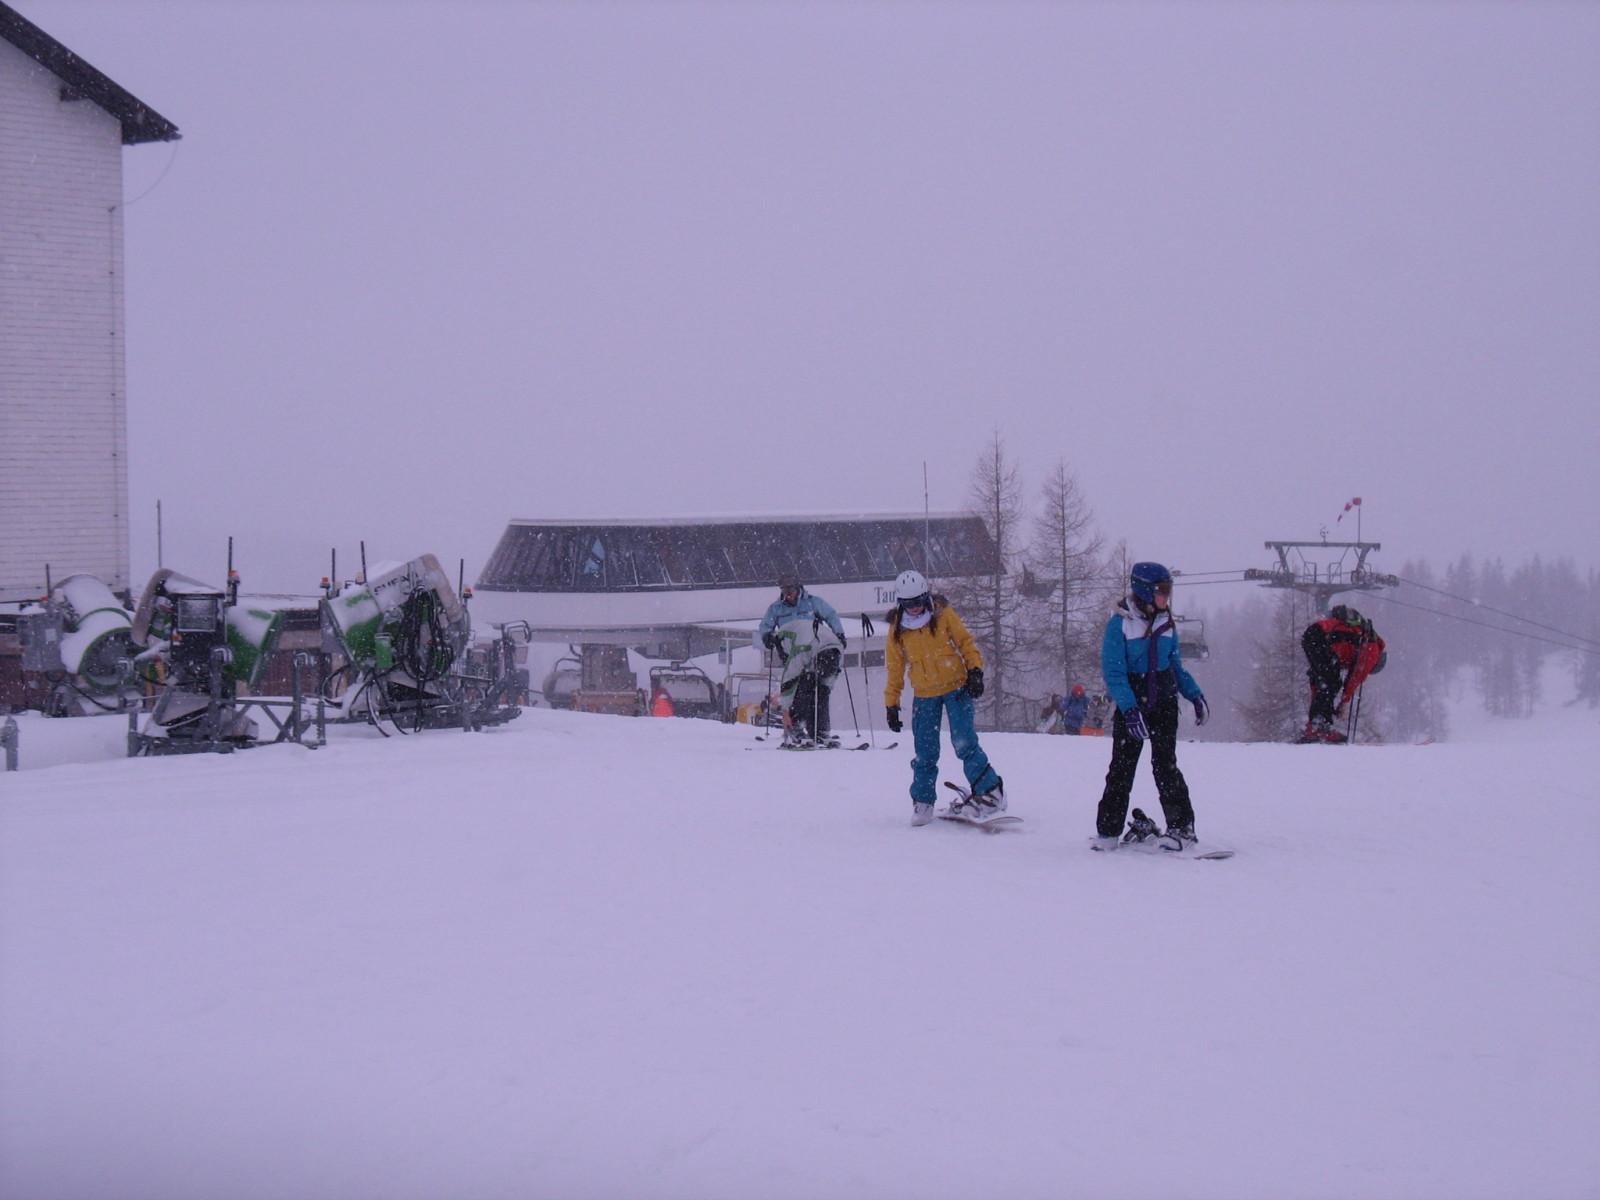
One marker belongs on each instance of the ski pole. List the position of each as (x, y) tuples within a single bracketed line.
[(850, 691), (866, 680), (767, 650)]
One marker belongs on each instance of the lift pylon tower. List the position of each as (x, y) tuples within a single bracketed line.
[(1323, 578)]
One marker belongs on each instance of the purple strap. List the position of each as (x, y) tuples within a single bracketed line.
[(1150, 672)]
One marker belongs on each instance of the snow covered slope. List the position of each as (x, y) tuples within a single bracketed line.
[(595, 957)]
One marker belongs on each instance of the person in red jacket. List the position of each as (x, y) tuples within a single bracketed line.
[(1341, 650)]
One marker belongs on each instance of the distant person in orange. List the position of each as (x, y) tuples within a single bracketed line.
[(660, 703), (1341, 650)]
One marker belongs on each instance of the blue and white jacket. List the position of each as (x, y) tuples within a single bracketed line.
[(807, 605), (1140, 659)]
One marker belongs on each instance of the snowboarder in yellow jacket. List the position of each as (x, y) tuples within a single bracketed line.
[(928, 640)]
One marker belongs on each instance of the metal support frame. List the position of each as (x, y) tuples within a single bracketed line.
[(1323, 579), (223, 713)]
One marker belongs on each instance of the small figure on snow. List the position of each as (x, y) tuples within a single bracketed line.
[(1050, 718), (1099, 706), (1144, 675), (1341, 650), (929, 640), (1075, 710), (794, 619)]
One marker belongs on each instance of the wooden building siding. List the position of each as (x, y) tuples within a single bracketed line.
[(63, 417)]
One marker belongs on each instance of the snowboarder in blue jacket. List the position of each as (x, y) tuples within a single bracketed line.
[(1144, 676), (1075, 710)]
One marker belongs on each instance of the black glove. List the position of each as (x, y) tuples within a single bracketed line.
[(1137, 729), (843, 641), (1202, 710), (769, 640), (894, 718), (975, 682)]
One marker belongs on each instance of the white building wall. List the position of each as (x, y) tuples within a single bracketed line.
[(63, 417), (610, 610)]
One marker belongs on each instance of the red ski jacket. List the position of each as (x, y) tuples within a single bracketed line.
[(1354, 650)]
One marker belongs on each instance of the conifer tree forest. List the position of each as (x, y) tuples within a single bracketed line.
[(1505, 636)]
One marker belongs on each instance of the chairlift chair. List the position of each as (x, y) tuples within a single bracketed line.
[(1192, 639), (565, 678), (689, 688)]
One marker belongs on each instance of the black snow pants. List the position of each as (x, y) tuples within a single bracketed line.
[(810, 706), (1324, 673), (1125, 752), (1324, 696)]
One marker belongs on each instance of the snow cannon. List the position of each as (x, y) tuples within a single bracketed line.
[(98, 632), (183, 621), (66, 650), (404, 618), (201, 647), (406, 635)]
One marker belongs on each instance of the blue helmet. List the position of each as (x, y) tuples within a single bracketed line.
[(1148, 578)]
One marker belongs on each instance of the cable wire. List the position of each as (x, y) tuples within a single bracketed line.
[(1486, 625), (1500, 612)]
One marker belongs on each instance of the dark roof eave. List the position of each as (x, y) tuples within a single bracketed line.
[(140, 122)]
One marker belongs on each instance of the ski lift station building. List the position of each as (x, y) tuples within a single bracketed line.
[(680, 585), (63, 439)]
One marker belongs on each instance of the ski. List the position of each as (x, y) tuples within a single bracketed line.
[(792, 746)]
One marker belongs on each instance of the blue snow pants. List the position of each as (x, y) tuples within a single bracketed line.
[(926, 712)]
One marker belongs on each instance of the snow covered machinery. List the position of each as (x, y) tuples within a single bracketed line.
[(406, 634), (67, 654), (199, 647)]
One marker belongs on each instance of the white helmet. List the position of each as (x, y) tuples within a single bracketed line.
[(909, 584)]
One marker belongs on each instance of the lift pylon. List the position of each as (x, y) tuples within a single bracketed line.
[(1322, 577)]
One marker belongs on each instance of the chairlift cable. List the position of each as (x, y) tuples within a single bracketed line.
[(1500, 612), (1486, 625)]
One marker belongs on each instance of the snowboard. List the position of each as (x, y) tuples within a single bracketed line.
[(1156, 843), (992, 824), (1153, 846)]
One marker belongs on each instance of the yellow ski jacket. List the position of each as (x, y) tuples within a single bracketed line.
[(939, 656)]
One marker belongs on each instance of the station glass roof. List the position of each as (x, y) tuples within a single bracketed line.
[(689, 555)]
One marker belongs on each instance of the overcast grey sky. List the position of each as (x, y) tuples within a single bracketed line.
[(418, 268)]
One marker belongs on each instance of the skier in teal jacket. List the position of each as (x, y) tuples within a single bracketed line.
[(1144, 676)]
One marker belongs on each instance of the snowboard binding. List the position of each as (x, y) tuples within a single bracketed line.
[(1141, 828)]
